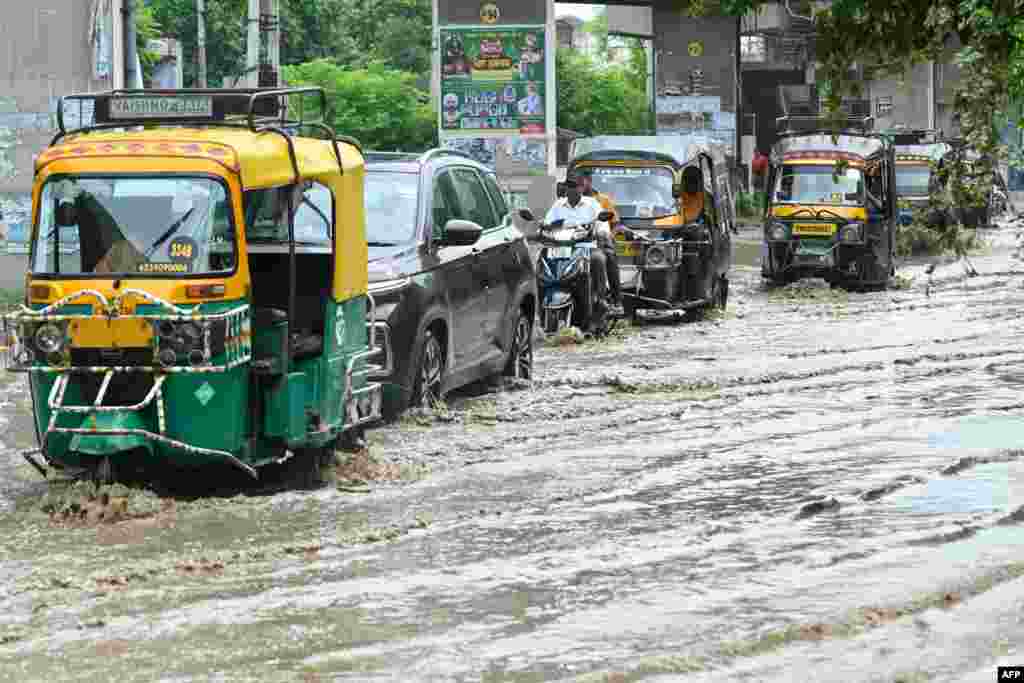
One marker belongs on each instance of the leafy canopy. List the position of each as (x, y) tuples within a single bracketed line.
[(381, 107)]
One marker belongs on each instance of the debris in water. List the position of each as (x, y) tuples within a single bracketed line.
[(818, 507), (960, 465)]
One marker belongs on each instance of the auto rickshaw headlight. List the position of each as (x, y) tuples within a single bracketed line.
[(655, 256), (850, 233), (49, 338), (167, 357), (778, 232), (191, 335)]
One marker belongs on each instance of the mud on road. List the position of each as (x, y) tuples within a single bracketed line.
[(814, 485)]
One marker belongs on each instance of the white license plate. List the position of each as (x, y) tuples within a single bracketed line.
[(559, 252)]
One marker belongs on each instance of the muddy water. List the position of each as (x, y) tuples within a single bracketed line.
[(816, 484)]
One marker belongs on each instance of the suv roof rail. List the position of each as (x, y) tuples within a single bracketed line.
[(441, 151), (375, 155)]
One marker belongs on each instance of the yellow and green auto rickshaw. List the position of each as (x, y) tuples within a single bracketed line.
[(831, 206), (197, 285), (673, 242)]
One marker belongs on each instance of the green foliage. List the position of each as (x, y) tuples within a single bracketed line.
[(146, 29), (353, 33), (381, 107), (599, 99), (225, 36)]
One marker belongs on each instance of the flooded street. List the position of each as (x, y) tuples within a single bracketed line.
[(816, 485)]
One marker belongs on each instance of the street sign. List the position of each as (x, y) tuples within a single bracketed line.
[(162, 107)]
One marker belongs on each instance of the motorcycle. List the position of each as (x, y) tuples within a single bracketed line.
[(564, 283)]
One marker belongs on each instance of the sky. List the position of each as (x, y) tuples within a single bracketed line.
[(584, 12)]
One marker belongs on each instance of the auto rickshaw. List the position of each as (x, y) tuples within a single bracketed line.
[(916, 154), (197, 285), (673, 243), (830, 209)]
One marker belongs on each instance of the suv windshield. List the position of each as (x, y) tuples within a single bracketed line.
[(637, 192), (391, 201), (912, 180), (133, 226), (817, 184)]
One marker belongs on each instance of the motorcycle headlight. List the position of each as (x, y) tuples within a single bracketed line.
[(850, 233), (778, 232), (656, 256), (49, 338)]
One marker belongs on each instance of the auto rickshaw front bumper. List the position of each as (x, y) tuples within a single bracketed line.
[(90, 425)]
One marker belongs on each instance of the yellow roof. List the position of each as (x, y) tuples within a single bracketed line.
[(261, 158)]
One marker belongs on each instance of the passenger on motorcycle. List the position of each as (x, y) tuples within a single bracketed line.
[(576, 209)]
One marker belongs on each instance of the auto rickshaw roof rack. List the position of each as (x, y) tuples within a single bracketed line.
[(804, 124), (281, 109)]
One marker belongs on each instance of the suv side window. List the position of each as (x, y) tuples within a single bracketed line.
[(472, 198), (496, 196), (441, 206)]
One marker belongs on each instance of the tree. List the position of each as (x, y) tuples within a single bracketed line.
[(354, 33), (225, 36), (379, 106), (598, 99)]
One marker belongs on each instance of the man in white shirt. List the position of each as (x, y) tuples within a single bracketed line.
[(575, 209)]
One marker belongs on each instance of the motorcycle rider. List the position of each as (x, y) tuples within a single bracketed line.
[(575, 209), (605, 242)]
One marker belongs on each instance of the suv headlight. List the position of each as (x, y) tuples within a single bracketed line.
[(778, 232), (851, 233)]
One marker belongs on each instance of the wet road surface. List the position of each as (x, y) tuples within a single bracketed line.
[(814, 486)]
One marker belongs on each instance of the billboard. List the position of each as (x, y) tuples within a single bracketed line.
[(492, 80)]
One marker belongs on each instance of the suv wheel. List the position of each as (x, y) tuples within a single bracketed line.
[(520, 357), (429, 372)]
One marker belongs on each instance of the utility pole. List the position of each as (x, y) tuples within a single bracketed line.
[(270, 76), (252, 58), (132, 78), (201, 17)]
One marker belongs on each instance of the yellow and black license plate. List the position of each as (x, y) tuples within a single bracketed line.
[(814, 229), (627, 249)]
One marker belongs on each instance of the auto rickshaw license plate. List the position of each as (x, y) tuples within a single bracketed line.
[(559, 252), (100, 333), (814, 228)]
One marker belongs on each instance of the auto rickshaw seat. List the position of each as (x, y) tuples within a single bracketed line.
[(268, 317)]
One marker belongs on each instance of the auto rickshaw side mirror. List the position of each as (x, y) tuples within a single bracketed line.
[(66, 215), (460, 233), (605, 216), (527, 215)]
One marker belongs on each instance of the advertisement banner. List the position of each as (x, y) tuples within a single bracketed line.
[(492, 80), (507, 155)]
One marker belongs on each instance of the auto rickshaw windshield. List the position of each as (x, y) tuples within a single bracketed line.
[(818, 184), (912, 180), (637, 192), (133, 226)]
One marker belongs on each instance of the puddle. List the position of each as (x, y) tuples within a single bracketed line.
[(982, 432)]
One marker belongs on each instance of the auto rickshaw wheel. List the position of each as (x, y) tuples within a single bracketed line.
[(429, 368)]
